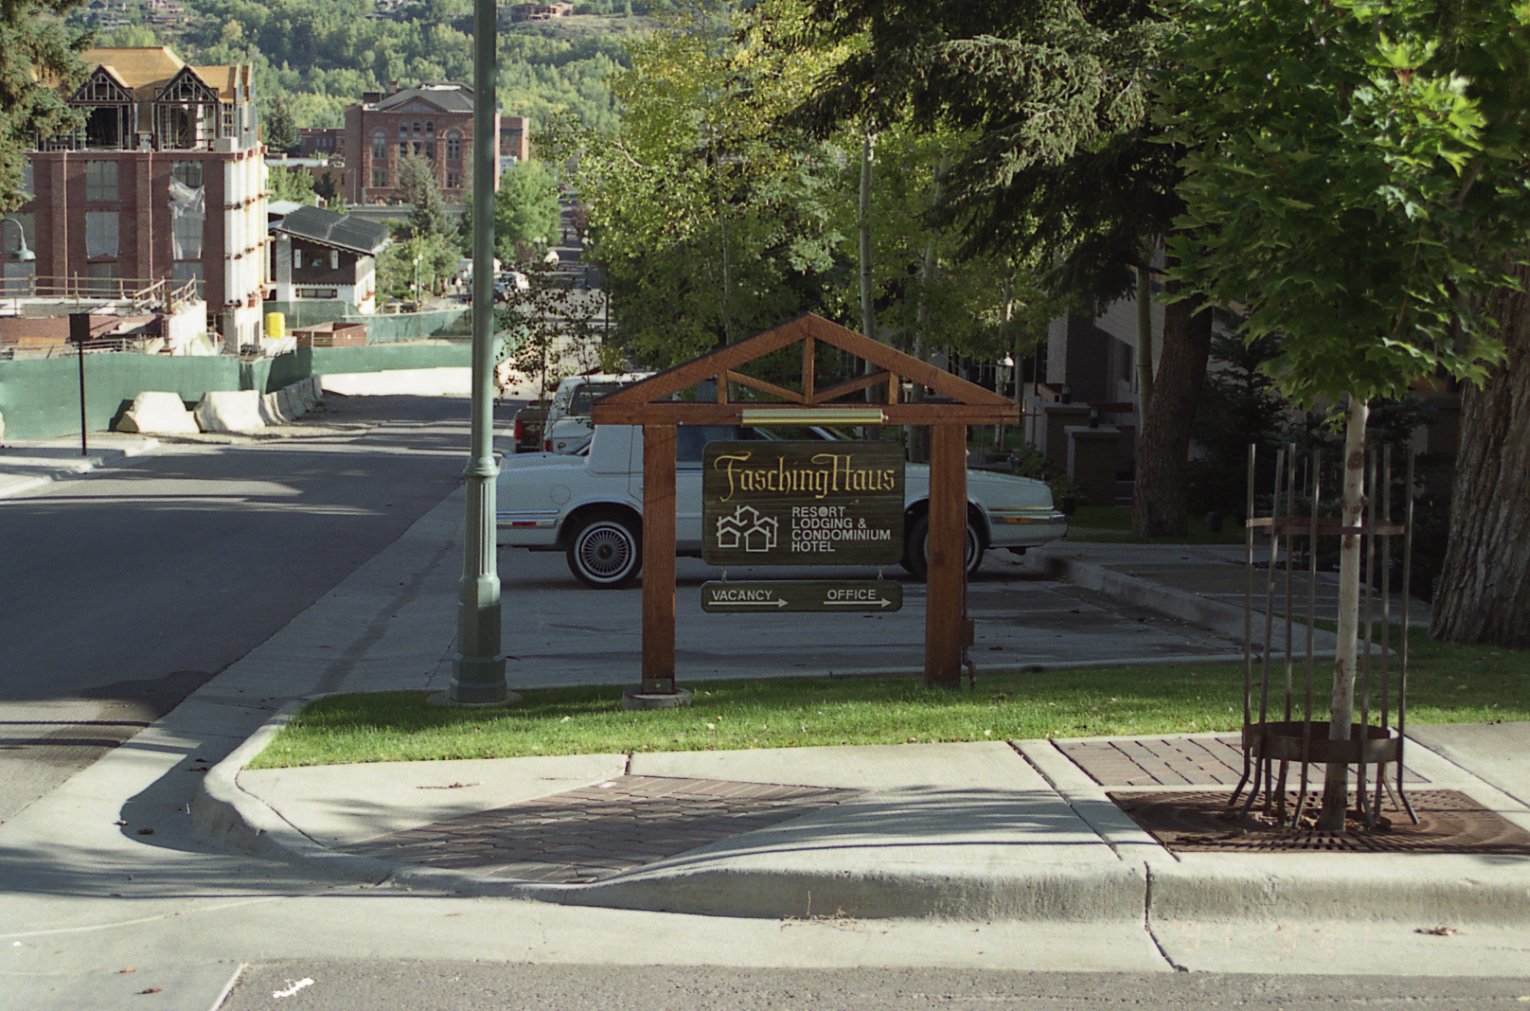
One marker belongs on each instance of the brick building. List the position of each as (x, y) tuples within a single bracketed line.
[(433, 121), (165, 181)]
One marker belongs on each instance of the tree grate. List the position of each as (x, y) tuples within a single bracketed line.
[(1207, 821)]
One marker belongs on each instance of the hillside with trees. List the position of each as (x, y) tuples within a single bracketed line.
[(322, 55)]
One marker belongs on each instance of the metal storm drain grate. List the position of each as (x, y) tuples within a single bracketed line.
[(598, 831), (1202, 821)]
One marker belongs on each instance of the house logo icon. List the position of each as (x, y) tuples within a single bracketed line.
[(746, 530)]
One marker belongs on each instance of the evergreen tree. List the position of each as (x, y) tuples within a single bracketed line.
[(417, 179), (281, 130), (35, 46)]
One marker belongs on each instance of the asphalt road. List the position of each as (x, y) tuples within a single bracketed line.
[(436, 984), (127, 589)]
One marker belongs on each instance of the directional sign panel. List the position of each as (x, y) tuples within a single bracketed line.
[(780, 596), (802, 503)]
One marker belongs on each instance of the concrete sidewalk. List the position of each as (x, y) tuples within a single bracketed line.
[(1000, 830), (28, 465)]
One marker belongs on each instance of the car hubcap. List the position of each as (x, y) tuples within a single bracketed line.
[(605, 552)]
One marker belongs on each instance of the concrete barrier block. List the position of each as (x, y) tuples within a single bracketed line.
[(270, 410), (305, 395), (158, 412), (291, 406), (230, 411)]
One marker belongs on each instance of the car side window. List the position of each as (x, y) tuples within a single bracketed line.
[(691, 441)]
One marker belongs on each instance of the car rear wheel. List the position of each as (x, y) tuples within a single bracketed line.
[(916, 548), (605, 551)]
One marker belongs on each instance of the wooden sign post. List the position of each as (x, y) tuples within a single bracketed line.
[(651, 404)]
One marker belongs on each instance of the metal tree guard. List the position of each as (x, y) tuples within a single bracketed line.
[(1278, 723)]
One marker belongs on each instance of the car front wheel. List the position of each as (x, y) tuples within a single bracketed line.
[(605, 551), (916, 549)]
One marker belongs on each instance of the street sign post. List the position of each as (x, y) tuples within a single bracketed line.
[(880, 596)]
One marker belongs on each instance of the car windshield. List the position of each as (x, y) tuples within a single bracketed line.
[(586, 395)]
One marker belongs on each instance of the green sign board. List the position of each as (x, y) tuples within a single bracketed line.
[(780, 596), (802, 503)]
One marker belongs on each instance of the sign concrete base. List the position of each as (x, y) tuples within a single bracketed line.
[(636, 698)]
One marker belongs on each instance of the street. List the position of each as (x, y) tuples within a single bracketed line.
[(127, 590)]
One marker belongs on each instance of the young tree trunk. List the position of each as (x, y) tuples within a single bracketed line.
[(1163, 450), (1336, 782), (863, 225), (1484, 592)]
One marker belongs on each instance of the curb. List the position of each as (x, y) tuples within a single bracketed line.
[(75, 468), (1223, 619)]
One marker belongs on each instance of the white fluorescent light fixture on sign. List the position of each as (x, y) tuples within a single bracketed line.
[(813, 416)]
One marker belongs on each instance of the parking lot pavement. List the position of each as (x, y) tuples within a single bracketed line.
[(1023, 620)]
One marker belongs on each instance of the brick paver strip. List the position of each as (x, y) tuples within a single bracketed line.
[(1179, 761), (598, 831)]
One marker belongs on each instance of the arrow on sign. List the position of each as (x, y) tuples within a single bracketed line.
[(715, 602), (879, 602)]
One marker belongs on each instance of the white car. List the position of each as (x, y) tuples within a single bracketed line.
[(590, 506), (568, 421)]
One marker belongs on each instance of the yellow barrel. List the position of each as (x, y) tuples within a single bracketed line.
[(276, 326)]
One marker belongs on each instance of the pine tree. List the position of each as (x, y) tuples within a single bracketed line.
[(39, 61)]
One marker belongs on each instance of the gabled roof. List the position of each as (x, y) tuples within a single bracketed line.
[(448, 97), (146, 70), (651, 401), (141, 69), (341, 231)]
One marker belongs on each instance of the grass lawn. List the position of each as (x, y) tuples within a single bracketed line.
[(1448, 684), (1114, 524)]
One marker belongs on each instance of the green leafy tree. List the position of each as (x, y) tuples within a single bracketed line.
[(34, 46), (526, 211), (1061, 166), (1355, 177), (708, 221), (413, 266), (291, 184)]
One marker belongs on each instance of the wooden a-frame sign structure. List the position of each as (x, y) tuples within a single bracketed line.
[(960, 403)]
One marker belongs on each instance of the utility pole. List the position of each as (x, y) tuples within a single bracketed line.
[(478, 669)]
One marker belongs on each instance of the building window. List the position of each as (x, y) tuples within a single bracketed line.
[(182, 271), (379, 146), (416, 127), (403, 149), (430, 131), (297, 259), (100, 180), (317, 293), (430, 151), (26, 179), (186, 235), (101, 272), (379, 175), (100, 233), (334, 259), (403, 130), (187, 173), (454, 180), (454, 146)]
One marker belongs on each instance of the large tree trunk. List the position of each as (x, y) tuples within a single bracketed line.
[(1158, 505), (1484, 592), (1342, 707)]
